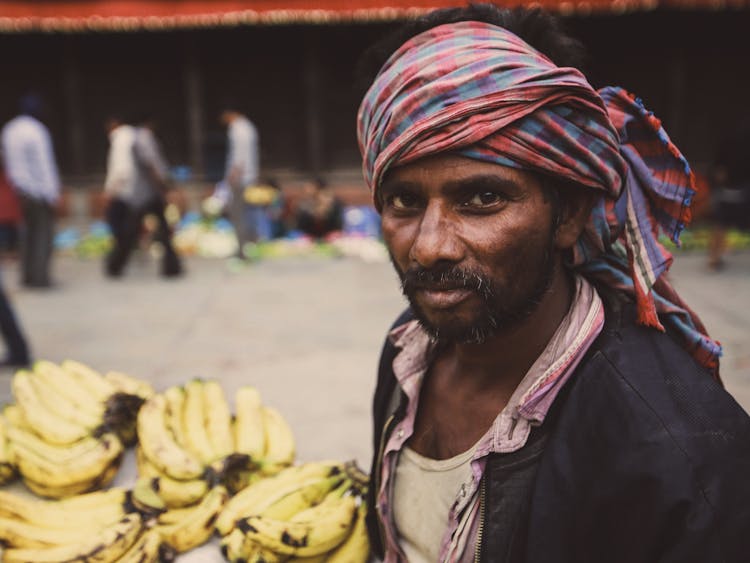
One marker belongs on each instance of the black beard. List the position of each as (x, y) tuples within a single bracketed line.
[(498, 314)]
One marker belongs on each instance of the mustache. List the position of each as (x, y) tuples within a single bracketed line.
[(444, 278)]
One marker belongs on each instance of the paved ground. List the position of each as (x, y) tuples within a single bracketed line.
[(306, 332)]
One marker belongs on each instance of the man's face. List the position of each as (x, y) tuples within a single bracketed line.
[(473, 244)]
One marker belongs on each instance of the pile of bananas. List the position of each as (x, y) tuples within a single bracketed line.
[(67, 430), (311, 512), (100, 526), (202, 470)]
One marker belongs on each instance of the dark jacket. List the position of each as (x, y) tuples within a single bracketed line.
[(643, 458)]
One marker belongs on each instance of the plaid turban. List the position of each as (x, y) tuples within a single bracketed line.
[(477, 90)]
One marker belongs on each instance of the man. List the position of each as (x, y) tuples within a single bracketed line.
[(241, 171), (32, 171), (136, 183), (548, 397)]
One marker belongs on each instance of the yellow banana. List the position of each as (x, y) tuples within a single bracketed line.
[(313, 559), (280, 446), (175, 493), (263, 492), (47, 424), (130, 385), (218, 418), (305, 495), (68, 394), (90, 379), (311, 532), (7, 467), (355, 548), (175, 397), (87, 501), (14, 417), (197, 526), (88, 465), (149, 548), (17, 533), (194, 417), (103, 479), (55, 514), (249, 433), (159, 444), (57, 454), (233, 546), (103, 546)]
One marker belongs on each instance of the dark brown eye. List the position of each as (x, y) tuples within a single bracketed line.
[(484, 199)]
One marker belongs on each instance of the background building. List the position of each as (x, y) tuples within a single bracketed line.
[(290, 64)]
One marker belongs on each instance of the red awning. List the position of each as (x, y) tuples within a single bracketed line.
[(134, 15)]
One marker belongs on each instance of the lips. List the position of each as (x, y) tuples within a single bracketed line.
[(443, 298)]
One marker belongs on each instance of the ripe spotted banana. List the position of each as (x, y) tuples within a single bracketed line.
[(51, 427), (175, 493), (175, 397), (311, 532), (194, 416), (280, 445), (103, 479), (103, 546), (17, 533), (292, 501), (218, 419), (197, 525), (90, 379), (149, 548), (159, 444), (265, 491), (87, 466), (249, 434), (125, 383), (355, 548)]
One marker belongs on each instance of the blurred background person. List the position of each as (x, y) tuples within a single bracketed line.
[(241, 171), (31, 169), (730, 191), (16, 349), (135, 186), (10, 215), (319, 212)]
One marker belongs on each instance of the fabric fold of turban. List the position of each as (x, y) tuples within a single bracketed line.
[(478, 90)]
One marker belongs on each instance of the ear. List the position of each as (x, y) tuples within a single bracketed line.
[(575, 208)]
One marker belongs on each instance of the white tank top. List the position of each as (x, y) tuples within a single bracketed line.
[(424, 491)]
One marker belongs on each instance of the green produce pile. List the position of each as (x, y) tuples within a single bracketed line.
[(202, 470), (699, 238)]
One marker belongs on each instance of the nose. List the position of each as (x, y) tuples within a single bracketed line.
[(436, 238)]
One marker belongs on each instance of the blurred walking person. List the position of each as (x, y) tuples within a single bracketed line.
[(241, 171), (17, 351), (136, 183), (32, 171)]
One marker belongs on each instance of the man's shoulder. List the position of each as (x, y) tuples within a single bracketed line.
[(638, 383)]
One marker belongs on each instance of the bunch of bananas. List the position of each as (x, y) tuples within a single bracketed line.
[(188, 441), (311, 512), (101, 526), (65, 433)]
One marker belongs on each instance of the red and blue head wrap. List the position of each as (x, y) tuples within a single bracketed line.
[(477, 90)]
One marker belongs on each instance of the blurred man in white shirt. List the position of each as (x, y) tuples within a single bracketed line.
[(241, 171), (32, 171)]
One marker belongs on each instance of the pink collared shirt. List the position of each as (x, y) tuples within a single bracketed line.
[(509, 432)]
